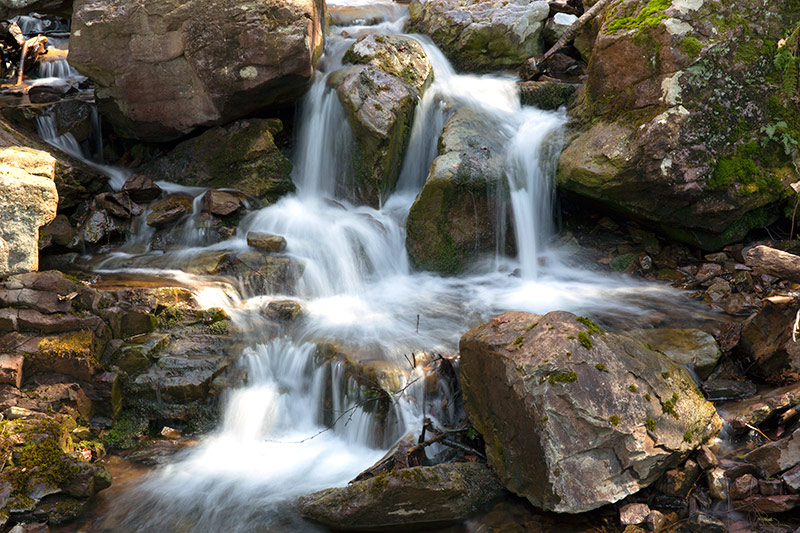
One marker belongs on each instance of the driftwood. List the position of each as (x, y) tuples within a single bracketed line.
[(17, 52), (572, 30), (766, 260)]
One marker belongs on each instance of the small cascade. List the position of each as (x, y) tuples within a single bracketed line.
[(58, 68)]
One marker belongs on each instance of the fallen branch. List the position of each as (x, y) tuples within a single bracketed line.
[(572, 30)]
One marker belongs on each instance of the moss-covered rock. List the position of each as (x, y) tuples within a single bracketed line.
[(687, 118), (479, 35), (455, 217), (546, 94)]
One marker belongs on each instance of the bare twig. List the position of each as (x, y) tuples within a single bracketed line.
[(576, 26)]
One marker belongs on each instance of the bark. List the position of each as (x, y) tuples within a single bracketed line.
[(576, 26)]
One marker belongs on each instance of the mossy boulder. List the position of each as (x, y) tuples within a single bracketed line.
[(482, 35), (574, 417), (687, 120), (455, 217), (418, 497), (379, 97), (239, 156)]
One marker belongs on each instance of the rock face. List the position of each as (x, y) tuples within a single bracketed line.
[(456, 215), (767, 338), (242, 155), (28, 200), (685, 121), (412, 497), (162, 69), (12, 8), (482, 36), (379, 97), (573, 417)]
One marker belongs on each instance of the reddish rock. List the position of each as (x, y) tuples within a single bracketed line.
[(743, 487), (769, 504), (169, 209), (222, 203), (141, 188)]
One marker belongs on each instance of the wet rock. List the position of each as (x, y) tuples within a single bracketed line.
[(754, 411), (703, 523), (397, 55), (266, 241), (286, 310), (672, 166), (718, 291), (59, 231), (98, 228), (742, 304), (560, 402), (687, 347), (11, 369), (28, 200), (775, 457), (162, 72), (706, 458), (633, 514), (175, 379), (12, 8), (141, 188), (743, 487), (679, 481), (73, 354), (558, 66), (222, 203), (169, 209), (170, 433), (241, 155), (655, 521), (74, 117), (728, 389), (481, 36), (454, 218), (126, 321), (409, 498), (118, 205), (546, 94), (770, 487), (769, 504), (767, 338), (717, 484)]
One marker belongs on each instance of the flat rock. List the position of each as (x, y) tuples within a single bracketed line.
[(775, 457)]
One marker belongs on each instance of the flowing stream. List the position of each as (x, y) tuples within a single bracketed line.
[(358, 290)]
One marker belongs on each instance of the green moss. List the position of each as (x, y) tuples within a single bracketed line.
[(584, 339), (600, 366), (75, 344), (746, 168), (650, 424), (532, 326), (379, 482), (614, 420), (518, 341), (647, 397), (687, 437), (126, 431), (691, 46), (589, 323), (633, 388), (665, 375), (50, 461), (562, 377), (222, 327), (169, 317), (650, 16), (669, 406)]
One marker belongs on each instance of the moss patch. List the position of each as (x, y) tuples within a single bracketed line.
[(562, 377), (650, 16)]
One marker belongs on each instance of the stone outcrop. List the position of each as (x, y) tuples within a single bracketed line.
[(241, 155), (455, 216), (687, 120), (161, 69), (573, 417), (379, 97), (482, 36), (28, 200)]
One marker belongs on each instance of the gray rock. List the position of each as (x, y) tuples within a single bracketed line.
[(266, 242), (633, 514), (690, 347), (775, 457)]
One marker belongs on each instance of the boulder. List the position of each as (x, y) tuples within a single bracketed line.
[(58, 231), (28, 200), (573, 417), (266, 241), (241, 155), (775, 457), (546, 94), (73, 117), (141, 188), (11, 369), (482, 36), (767, 338), (692, 347), (222, 203), (454, 218), (684, 122), (755, 411), (169, 209), (163, 69), (417, 497), (379, 98)]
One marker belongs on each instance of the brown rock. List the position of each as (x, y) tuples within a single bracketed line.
[(222, 203), (766, 260), (792, 478), (775, 457), (266, 241), (633, 514), (717, 484), (11, 369), (169, 209), (60, 231), (743, 487), (141, 188), (286, 310), (679, 481), (767, 338), (770, 488), (706, 458), (769, 504), (754, 411)]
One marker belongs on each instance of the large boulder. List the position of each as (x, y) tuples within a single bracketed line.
[(573, 417), (455, 216), (687, 119), (28, 200), (241, 155), (379, 98), (418, 497), (768, 339), (478, 35), (162, 69)]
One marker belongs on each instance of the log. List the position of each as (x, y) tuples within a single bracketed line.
[(767, 260), (576, 26)]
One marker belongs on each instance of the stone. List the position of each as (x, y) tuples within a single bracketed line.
[(11, 369), (481, 36), (557, 26), (792, 478), (769, 504), (396, 55), (770, 487), (531, 387), (266, 242), (127, 321), (59, 231), (118, 205), (241, 155), (454, 218), (754, 411), (743, 487), (655, 521), (704, 523), (417, 497), (679, 481), (742, 304), (706, 458), (170, 433), (28, 200), (73, 117), (222, 203), (169, 209), (164, 70), (546, 94), (286, 310), (703, 182), (633, 514), (775, 457), (767, 338), (12, 8), (141, 188), (717, 484), (687, 347), (73, 354), (174, 379), (718, 291)]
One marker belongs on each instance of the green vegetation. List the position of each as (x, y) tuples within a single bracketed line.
[(591, 324), (744, 168), (669, 405), (614, 419), (633, 388), (650, 16), (650, 424), (600, 366), (562, 377), (518, 341), (584, 339), (647, 397), (126, 432), (691, 46), (687, 437)]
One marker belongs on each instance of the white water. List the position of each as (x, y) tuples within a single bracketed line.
[(358, 290)]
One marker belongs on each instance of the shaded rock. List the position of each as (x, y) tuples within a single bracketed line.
[(98, 228), (127, 320), (12, 8), (481, 36), (454, 218), (222, 203), (792, 478), (546, 94), (769, 504), (704, 523), (266, 241), (141, 188), (767, 338), (767, 260), (74, 117), (743, 487), (674, 65), (28, 200), (728, 389), (775, 457), (556, 26), (574, 418), (421, 496), (706, 458), (717, 484), (162, 71), (169, 209), (679, 481), (59, 231), (241, 155), (11, 369), (690, 347), (118, 205), (754, 411), (770, 487)]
